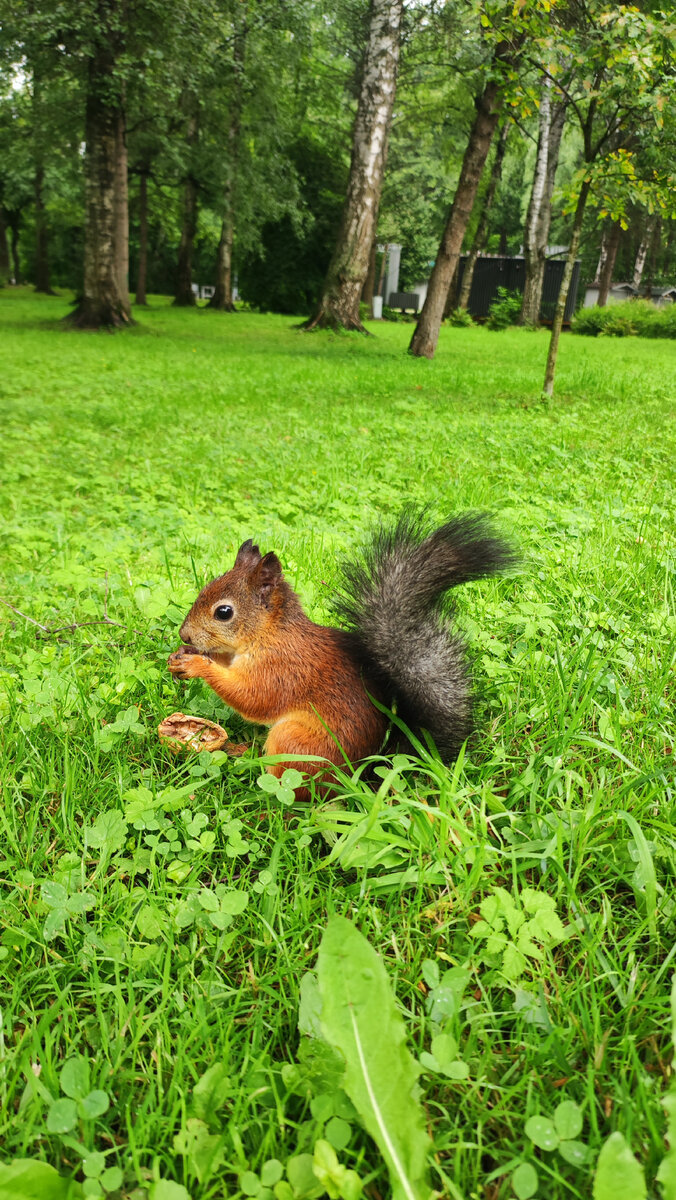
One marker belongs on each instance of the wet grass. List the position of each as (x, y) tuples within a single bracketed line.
[(134, 465)]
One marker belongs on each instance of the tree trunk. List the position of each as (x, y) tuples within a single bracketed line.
[(222, 297), (482, 228), (426, 333), (642, 253), (42, 283), (655, 243), (122, 212), (606, 275), (339, 303), (143, 238), (103, 303), (14, 222), (185, 297), (559, 312), (452, 293), (4, 251), (539, 218), (369, 287), (603, 254)]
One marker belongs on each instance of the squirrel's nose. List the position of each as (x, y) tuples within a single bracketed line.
[(184, 635)]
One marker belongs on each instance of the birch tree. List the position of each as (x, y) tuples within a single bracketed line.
[(339, 302), (642, 252), (551, 121)]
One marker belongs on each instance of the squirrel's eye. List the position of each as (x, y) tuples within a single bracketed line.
[(224, 612)]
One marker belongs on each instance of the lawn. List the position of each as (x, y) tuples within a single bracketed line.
[(158, 915)]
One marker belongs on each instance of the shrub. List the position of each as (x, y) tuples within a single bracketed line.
[(505, 309), (460, 317), (635, 317)]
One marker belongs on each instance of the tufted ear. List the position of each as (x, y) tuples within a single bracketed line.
[(248, 556), (266, 575)]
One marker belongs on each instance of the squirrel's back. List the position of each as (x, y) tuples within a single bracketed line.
[(391, 601)]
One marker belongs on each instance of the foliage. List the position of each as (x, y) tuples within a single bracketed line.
[(618, 1175), (133, 468), (359, 1018), (285, 271), (634, 317), (461, 318), (505, 309)]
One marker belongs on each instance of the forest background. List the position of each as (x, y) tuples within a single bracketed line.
[(229, 127)]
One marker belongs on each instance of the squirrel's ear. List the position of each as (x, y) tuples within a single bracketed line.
[(248, 555), (266, 574)]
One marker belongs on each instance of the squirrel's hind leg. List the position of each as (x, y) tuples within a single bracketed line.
[(298, 734)]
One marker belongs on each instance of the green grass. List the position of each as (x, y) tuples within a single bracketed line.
[(134, 465)]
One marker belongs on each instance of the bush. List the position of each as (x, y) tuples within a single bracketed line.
[(460, 317), (635, 317), (505, 309)]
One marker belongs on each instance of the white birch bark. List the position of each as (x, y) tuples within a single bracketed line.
[(339, 303), (538, 219), (639, 265)]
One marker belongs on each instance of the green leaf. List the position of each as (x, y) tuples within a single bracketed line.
[(567, 1119), (211, 1091), (93, 1105), (62, 1116), (28, 1179), (234, 902), (208, 900), (271, 1172), (93, 1164), (112, 1179), (618, 1175), (444, 1049), (666, 1174), (360, 1019), (525, 1181), (513, 962), (54, 895), (108, 832), (575, 1153), (249, 1183), (338, 1133), (202, 1149), (291, 778), (74, 1077), (79, 902), (541, 1131), (268, 783), (166, 1189), (283, 1190), (310, 1007), (338, 1182), (302, 1177)]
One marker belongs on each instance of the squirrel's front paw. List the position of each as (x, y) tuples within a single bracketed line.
[(186, 664)]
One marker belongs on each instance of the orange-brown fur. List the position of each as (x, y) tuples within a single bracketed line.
[(276, 667)]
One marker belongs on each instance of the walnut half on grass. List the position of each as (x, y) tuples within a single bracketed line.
[(191, 734)]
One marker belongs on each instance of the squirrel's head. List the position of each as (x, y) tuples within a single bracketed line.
[(232, 611)]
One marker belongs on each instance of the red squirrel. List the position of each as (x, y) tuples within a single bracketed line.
[(247, 636)]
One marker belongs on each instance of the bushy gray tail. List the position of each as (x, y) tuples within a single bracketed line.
[(390, 600)]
